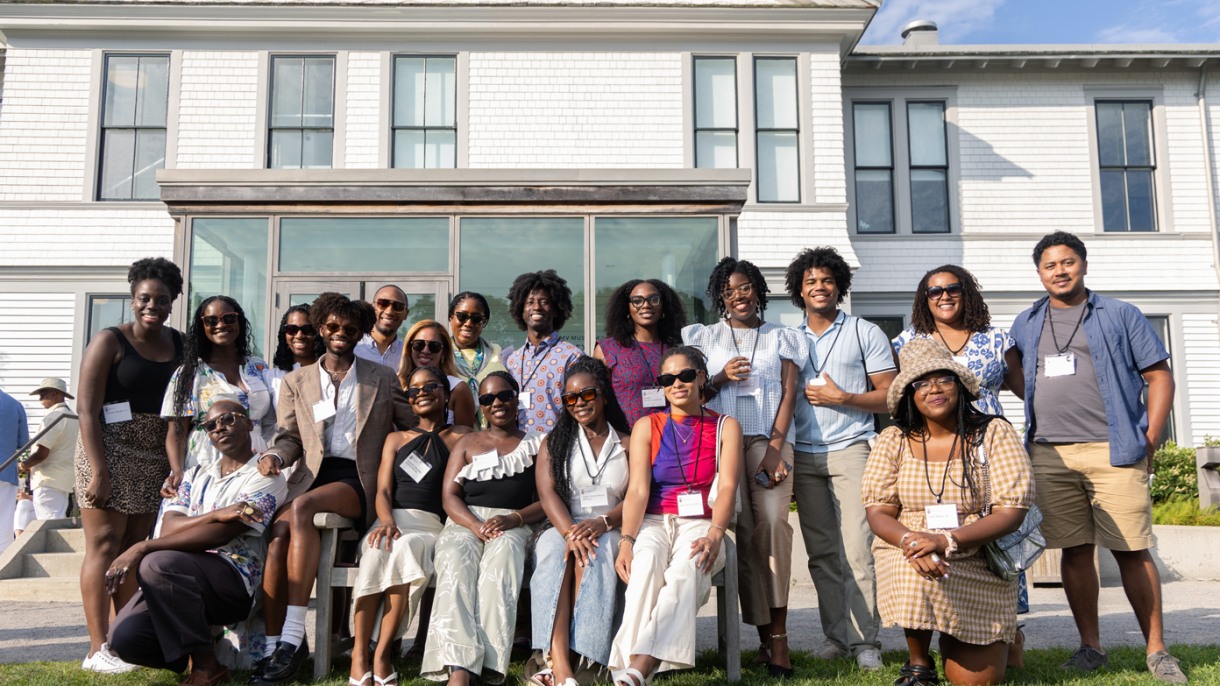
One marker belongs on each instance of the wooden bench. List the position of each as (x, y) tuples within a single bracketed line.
[(332, 526)]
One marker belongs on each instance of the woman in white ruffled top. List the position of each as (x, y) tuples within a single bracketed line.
[(491, 499)]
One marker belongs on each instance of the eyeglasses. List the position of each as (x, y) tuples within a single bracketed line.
[(433, 347), (387, 304), (293, 330), (464, 317), (954, 290), (637, 301), (586, 394), (210, 321), (348, 330), (503, 396), (924, 386), (224, 420), (685, 376), (743, 291), (430, 388)]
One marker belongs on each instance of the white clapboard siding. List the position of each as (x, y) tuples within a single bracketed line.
[(1202, 357), (36, 339)]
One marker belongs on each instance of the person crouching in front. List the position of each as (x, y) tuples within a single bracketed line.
[(203, 570)]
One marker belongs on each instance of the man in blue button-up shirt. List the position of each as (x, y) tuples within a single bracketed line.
[(14, 432), (1091, 439)]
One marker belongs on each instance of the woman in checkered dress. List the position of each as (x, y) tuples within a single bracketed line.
[(924, 491)]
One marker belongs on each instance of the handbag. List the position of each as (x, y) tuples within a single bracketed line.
[(711, 495), (1010, 555)]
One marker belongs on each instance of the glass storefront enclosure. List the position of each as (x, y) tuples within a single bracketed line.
[(271, 261)]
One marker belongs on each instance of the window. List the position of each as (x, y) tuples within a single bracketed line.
[(229, 257), (777, 129), (1160, 325), (302, 121), (1127, 162), (106, 311), (425, 112), (899, 158), (716, 112), (134, 106), (364, 244)]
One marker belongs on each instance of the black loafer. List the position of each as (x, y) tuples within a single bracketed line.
[(256, 672), (284, 665), (917, 675)]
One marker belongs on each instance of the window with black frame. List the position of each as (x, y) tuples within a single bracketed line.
[(1126, 164), (301, 125), (135, 103)]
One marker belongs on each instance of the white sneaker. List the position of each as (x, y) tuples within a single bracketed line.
[(869, 659), (104, 661)]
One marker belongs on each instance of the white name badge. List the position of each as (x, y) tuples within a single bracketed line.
[(484, 461), (941, 516), (749, 386), (594, 496), (415, 467), (255, 385), (690, 505), (962, 360), (1060, 365), (526, 400), (652, 397), (114, 413), (815, 381), (323, 409)]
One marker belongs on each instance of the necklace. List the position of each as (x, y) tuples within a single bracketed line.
[(223, 473), (944, 477), (334, 376), (953, 352), (590, 434)]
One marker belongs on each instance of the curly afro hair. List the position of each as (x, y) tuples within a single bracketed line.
[(975, 315), (358, 312), (284, 359), (157, 268), (549, 281), (816, 258), (621, 327), (719, 281)]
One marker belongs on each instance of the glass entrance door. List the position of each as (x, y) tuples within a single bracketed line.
[(426, 298)]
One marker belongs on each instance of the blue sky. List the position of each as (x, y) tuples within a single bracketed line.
[(972, 22)]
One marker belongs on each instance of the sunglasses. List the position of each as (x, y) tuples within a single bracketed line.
[(954, 290), (742, 291), (925, 385), (464, 317), (225, 420), (433, 347), (637, 301), (685, 376), (348, 329), (503, 396), (585, 394), (430, 388), (387, 304), (293, 330), (229, 319)]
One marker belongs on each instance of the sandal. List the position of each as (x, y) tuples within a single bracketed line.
[(764, 655), (778, 671), (352, 681), (538, 678), (392, 679), (631, 677), (917, 675)]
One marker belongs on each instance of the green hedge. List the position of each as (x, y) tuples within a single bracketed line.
[(1175, 473)]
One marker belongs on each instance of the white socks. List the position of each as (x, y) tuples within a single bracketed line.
[(272, 642), (294, 626)]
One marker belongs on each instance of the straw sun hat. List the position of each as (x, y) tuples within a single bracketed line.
[(921, 356)]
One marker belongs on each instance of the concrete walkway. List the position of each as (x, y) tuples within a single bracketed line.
[(34, 632)]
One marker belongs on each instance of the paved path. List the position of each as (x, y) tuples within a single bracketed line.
[(33, 632)]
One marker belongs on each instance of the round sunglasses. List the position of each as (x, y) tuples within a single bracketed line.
[(224, 420), (293, 330)]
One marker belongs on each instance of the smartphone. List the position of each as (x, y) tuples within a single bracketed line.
[(763, 479)]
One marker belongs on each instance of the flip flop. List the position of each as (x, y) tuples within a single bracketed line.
[(351, 680)]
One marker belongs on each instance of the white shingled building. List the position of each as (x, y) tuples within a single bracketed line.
[(279, 148)]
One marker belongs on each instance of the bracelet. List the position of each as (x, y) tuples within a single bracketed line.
[(722, 529), (951, 548), (628, 539), (519, 516), (606, 521), (568, 535)]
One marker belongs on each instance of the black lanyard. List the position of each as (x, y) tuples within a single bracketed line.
[(1055, 339), (817, 371), (654, 371), (927, 475), (757, 335), (584, 459), (525, 381), (690, 487)]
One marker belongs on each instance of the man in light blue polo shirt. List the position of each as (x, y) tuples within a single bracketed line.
[(847, 356), (383, 345)]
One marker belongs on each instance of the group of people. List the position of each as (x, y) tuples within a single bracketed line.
[(606, 484)]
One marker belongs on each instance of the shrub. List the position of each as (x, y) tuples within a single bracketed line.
[(1175, 473), (1182, 511)]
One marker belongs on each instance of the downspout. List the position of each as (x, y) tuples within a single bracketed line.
[(1208, 160)]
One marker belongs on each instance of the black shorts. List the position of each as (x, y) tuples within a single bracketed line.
[(340, 470)]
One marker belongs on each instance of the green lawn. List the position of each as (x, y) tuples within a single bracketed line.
[(1201, 664)]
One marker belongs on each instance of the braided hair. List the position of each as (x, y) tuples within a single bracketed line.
[(565, 434), (971, 429), (439, 376), (621, 327), (199, 349), (283, 358), (719, 281), (975, 315)]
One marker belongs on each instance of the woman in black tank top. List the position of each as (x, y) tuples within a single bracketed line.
[(396, 563), (120, 456)]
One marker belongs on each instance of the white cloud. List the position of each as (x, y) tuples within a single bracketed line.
[(956, 19)]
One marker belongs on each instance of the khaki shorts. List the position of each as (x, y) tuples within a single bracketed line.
[(1085, 500)]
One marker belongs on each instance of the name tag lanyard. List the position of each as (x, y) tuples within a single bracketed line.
[(584, 460), (1054, 338), (652, 370), (753, 351), (927, 474), (525, 382), (690, 486), (817, 371)]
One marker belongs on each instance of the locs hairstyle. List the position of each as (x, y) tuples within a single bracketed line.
[(976, 317), (157, 268), (469, 295), (621, 328), (549, 281), (816, 258), (198, 348), (283, 358), (563, 438), (719, 281)]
